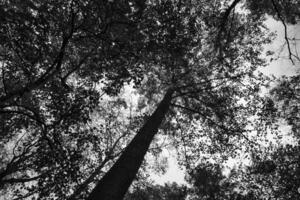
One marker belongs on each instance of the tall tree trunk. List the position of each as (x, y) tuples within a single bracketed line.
[(117, 180)]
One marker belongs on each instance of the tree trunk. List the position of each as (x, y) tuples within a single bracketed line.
[(117, 180)]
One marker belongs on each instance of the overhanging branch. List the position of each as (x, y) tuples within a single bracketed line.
[(285, 31)]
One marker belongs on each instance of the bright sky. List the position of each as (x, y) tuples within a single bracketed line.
[(173, 174), (282, 66)]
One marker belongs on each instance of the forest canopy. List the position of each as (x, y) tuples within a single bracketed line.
[(93, 92)]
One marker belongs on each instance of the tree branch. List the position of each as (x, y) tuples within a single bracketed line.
[(285, 31), (51, 71), (218, 44)]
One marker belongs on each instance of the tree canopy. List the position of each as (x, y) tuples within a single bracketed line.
[(87, 86)]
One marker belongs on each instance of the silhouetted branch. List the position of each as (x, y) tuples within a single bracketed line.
[(51, 71), (213, 122), (285, 31), (98, 170), (218, 44), (20, 180), (14, 164), (27, 195)]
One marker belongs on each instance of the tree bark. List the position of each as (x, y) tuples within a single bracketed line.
[(117, 180)]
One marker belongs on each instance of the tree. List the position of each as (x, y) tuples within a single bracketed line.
[(278, 170), (200, 56), (156, 192), (208, 182), (274, 173), (276, 177), (206, 86), (53, 56), (287, 12)]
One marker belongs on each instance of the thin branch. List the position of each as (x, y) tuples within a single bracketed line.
[(81, 62), (27, 195), (20, 180), (51, 71), (3, 78), (22, 113), (91, 178), (184, 147), (206, 118), (218, 44), (98, 170), (285, 31), (14, 163)]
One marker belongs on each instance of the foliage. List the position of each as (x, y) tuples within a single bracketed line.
[(283, 180), (64, 62), (209, 182), (287, 94), (288, 9), (53, 56), (156, 192)]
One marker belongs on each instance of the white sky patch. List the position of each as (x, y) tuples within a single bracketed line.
[(130, 95), (282, 65), (173, 174)]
